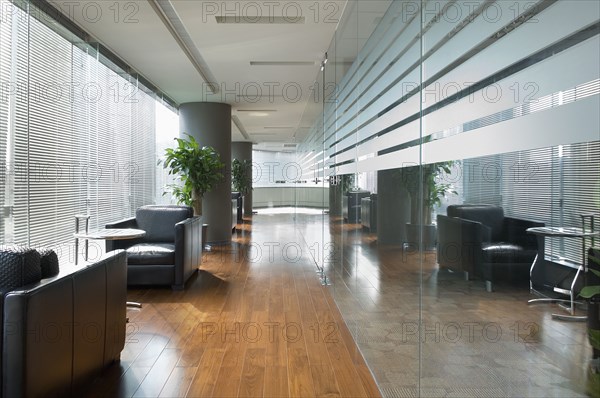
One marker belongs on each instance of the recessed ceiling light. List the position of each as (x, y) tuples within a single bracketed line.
[(258, 114), (278, 127)]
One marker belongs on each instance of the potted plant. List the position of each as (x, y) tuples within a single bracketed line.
[(425, 178), (241, 176), (198, 168), (241, 181)]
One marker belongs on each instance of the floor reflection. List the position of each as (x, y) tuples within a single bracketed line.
[(425, 331)]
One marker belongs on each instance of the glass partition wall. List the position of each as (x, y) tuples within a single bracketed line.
[(428, 106)]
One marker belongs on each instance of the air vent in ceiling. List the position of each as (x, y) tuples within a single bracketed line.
[(289, 145), (283, 63), (256, 110), (268, 20)]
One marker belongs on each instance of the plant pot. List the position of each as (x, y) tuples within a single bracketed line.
[(197, 202), (593, 326), (429, 236)]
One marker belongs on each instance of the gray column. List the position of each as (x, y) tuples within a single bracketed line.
[(243, 151), (210, 124), (393, 208)]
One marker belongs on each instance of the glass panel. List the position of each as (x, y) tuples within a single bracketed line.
[(444, 104), (497, 111)]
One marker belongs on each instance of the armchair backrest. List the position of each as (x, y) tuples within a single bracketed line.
[(159, 221), (489, 215)]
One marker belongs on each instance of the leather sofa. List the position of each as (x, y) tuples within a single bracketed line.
[(480, 241), (58, 333), (171, 250)]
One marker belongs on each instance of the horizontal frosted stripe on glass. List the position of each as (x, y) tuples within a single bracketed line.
[(558, 21), (552, 75), (567, 124), (562, 45)]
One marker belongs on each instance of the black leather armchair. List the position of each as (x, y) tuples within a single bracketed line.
[(171, 250), (479, 240), (60, 330)]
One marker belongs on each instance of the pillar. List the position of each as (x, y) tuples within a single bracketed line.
[(393, 208), (210, 124), (243, 151)]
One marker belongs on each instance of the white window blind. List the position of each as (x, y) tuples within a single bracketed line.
[(20, 109), (5, 72), (141, 172), (554, 185), (83, 133), (53, 144)]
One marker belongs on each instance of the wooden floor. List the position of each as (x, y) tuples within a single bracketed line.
[(254, 322)]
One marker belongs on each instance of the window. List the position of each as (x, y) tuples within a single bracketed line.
[(77, 134), (555, 185)]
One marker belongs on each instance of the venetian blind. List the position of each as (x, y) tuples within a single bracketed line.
[(53, 144), (83, 135), (555, 185)]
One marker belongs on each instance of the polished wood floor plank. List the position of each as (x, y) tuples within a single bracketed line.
[(228, 381), (299, 374), (183, 332), (205, 379), (348, 379), (253, 374), (178, 383), (324, 381), (276, 382), (158, 375)]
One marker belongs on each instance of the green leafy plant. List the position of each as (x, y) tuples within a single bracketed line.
[(199, 169), (592, 291), (241, 176), (427, 177)]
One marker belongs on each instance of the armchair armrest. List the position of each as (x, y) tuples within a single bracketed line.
[(460, 242), (188, 249)]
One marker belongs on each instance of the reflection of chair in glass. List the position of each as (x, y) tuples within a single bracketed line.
[(368, 212), (351, 205), (171, 250), (479, 240)]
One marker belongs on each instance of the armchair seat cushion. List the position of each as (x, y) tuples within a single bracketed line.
[(502, 252), (151, 254)]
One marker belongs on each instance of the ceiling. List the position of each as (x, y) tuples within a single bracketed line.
[(261, 57)]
